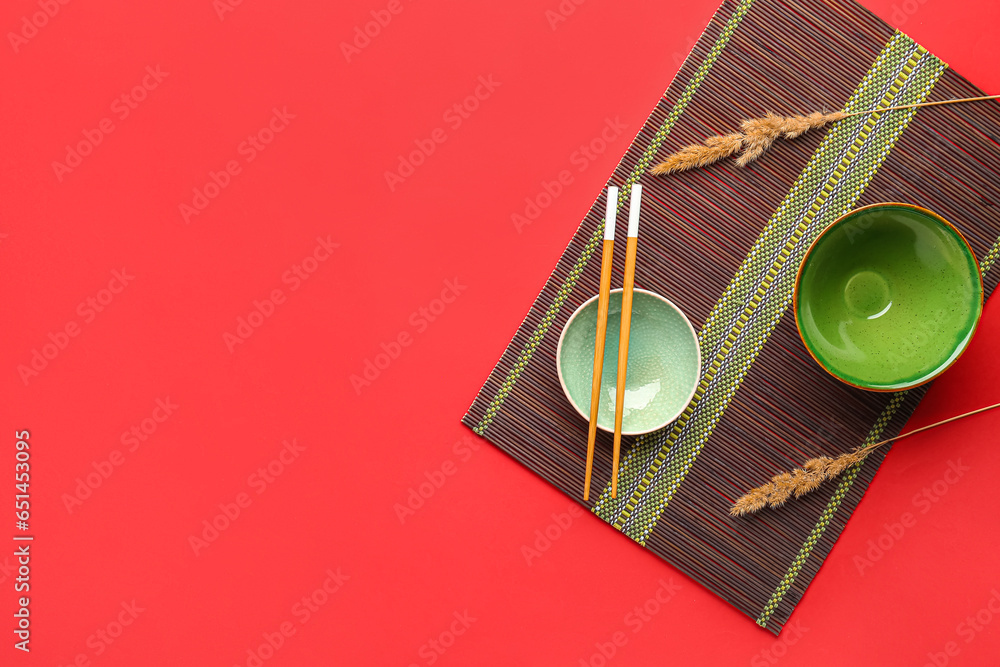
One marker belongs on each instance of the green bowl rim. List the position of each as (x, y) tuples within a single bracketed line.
[(562, 381), (850, 214)]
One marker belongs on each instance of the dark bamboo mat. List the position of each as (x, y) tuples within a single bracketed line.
[(724, 242)]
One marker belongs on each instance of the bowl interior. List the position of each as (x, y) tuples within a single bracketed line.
[(664, 362), (888, 297)]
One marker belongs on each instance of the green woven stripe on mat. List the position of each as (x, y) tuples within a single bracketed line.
[(646, 457), (633, 465), (990, 258), (640, 168), (829, 186), (846, 481), (845, 484)]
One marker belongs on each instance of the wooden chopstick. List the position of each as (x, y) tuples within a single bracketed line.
[(631, 246), (603, 297)]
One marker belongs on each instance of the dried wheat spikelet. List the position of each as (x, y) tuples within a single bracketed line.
[(755, 137), (700, 155)]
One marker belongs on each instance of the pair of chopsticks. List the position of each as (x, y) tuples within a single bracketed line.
[(602, 327)]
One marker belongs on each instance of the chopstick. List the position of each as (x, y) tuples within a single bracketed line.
[(603, 297), (631, 246)]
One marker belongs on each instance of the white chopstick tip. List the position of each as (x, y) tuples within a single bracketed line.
[(633, 210), (611, 213)]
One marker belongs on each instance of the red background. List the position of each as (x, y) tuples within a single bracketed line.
[(335, 505)]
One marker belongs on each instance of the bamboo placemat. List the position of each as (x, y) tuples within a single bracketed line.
[(724, 243)]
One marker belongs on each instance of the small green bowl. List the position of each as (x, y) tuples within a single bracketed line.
[(664, 362), (888, 297)]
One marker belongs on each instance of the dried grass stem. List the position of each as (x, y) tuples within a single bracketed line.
[(816, 471), (757, 135)]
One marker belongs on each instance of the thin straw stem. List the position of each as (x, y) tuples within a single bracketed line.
[(924, 104), (868, 448)]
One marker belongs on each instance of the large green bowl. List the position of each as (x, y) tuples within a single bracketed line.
[(888, 297), (664, 362)]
